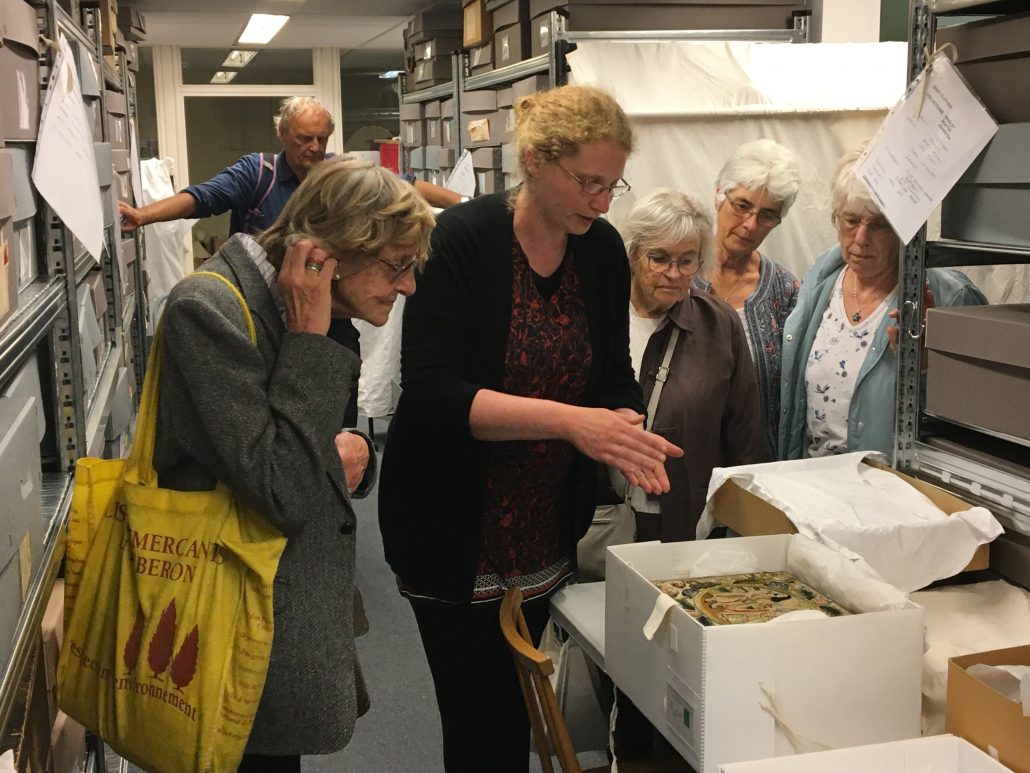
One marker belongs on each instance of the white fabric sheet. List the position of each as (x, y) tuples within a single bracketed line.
[(693, 102), (379, 383), (963, 619), (168, 260), (871, 516)]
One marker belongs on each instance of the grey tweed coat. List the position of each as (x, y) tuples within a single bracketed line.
[(262, 420)]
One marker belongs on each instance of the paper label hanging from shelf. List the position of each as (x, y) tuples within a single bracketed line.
[(65, 170), (463, 179), (924, 145)]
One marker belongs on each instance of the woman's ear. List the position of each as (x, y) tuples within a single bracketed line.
[(531, 162)]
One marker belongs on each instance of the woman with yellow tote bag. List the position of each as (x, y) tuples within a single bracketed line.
[(262, 422)]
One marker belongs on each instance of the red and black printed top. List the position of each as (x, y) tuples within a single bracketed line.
[(454, 344), (529, 492)]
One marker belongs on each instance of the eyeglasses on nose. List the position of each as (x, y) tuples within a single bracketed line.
[(592, 188), (849, 224), (744, 209), (398, 270), (661, 263)]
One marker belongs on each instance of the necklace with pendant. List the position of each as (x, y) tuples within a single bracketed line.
[(857, 316)]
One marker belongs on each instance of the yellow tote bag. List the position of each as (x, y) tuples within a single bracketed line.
[(168, 608)]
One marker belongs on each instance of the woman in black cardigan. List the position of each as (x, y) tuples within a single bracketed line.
[(516, 381)]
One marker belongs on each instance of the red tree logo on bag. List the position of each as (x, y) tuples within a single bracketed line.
[(162, 642), (130, 656), (184, 666)]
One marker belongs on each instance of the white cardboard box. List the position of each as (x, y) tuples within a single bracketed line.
[(939, 754), (838, 682)]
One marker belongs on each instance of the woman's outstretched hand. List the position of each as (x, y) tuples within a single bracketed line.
[(618, 438)]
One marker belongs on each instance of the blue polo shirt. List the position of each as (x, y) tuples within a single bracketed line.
[(241, 186)]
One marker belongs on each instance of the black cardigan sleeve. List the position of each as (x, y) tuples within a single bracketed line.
[(437, 331)]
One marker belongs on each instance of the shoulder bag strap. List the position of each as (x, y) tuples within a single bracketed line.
[(661, 376), (617, 480), (141, 455)]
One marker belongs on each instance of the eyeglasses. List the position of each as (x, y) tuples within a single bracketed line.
[(592, 188), (397, 271), (849, 224), (661, 263), (744, 209)]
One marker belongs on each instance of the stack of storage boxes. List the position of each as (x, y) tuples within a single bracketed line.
[(19, 124), (663, 15), (982, 350), (511, 33), (429, 38), (21, 528)]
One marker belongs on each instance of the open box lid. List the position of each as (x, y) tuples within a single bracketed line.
[(749, 515)]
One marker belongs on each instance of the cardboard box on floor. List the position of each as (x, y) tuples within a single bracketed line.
[(751, 516), (985, 717), (939, 753), (731, 693)]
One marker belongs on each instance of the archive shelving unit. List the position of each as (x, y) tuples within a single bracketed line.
[(46, 324), (978, 464)]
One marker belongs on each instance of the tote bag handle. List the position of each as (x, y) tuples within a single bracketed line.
[(141, 456)]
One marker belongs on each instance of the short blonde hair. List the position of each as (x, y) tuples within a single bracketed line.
[(664, 217), (349, 206), (291, 107), (556, 123), (848, 190)]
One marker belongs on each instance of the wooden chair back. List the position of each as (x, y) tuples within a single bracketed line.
[(533, 669)]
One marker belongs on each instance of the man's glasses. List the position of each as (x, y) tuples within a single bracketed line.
[(849, 224), (661, 263), (744, 209), (592, 188)]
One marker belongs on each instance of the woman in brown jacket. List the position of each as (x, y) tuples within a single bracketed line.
[(709, 405)]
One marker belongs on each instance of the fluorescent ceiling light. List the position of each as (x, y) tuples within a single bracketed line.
[(390, 74), (237, 58), (223, 76), (261, 28)]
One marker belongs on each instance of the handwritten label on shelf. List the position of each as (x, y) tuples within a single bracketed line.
[(65, 170), (924, 145)]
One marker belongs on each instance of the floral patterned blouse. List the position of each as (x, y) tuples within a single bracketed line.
[(838, 352), (765, 311)]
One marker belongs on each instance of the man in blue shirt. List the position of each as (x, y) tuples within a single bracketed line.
[(256, 187), (255, 190)]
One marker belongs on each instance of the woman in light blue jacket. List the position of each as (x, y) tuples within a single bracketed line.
[(839, 367)]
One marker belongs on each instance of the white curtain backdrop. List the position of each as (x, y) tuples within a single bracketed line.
[(693, 102)]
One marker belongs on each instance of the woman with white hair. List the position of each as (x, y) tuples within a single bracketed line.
[(838, 361), (755, 189), (709, 404)]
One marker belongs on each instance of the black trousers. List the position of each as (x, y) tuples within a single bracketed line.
[(482, 711), (267, 763)]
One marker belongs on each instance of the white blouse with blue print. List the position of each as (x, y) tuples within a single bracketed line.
[(831, 373)]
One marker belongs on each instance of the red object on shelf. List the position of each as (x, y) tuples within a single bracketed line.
[(389, 156)]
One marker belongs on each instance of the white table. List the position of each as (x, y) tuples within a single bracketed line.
[(579, 610)]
